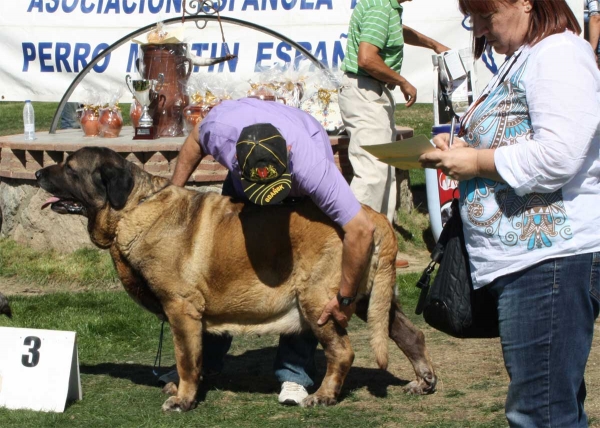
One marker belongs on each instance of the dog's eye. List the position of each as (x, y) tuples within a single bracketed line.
[(70, 171)]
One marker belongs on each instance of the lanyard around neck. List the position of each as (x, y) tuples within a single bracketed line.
[(490, 87)]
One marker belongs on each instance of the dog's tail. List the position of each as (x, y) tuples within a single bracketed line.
[(382, 291)]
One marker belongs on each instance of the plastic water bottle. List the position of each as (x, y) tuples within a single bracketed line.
[(29, 121)]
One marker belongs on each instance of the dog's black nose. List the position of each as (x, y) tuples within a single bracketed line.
[(38, 174)]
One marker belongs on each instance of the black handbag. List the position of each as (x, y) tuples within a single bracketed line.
[(450, 304)]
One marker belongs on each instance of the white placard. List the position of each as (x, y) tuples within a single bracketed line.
[(39, 369)]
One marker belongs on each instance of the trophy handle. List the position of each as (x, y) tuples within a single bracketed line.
[(140, 66), (162, 99), (128, 83)]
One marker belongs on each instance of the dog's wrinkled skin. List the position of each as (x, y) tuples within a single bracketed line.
[(207, 263)]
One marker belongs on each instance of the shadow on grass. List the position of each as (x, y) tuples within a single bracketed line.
[(251, 372)]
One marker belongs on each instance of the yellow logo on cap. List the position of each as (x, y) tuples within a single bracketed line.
[(273, 192)]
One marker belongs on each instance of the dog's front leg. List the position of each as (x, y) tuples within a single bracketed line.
[(186, 327)]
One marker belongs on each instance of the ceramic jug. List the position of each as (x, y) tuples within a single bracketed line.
[(170, 60)]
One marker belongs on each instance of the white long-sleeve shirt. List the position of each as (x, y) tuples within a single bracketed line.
[(544, 120)]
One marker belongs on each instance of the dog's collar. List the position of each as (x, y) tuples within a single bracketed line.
[(144, 199)]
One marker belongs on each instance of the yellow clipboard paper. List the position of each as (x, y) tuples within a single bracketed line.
[(402, 154)]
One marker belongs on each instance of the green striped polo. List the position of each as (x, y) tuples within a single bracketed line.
[(378, 22)]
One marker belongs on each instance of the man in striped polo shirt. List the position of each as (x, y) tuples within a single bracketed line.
[(372, 64)]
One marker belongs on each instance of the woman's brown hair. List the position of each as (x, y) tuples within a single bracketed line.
[(547, 17)]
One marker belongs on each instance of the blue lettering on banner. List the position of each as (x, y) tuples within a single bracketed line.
[(261, 55), (85, 8), (81, 52), (154, 8), (68, 9), (284, 56), (171, 6), (113, 4), (101, 67), (63, 50), (81, 55), (45, 56), (35, 3), (283, 53), (129, 9), (299, 55), (134, 54), (52, 8), (29, 55), (288, 4)]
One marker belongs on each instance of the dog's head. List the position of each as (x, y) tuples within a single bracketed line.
[(87, 181), (91, 181)]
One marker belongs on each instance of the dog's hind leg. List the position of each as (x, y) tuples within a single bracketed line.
[(186, 327), (411, 341)]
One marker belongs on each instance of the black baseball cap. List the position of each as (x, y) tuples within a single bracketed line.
[(263, 159)]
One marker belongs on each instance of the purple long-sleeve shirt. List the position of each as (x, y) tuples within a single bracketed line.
[(313, 169)]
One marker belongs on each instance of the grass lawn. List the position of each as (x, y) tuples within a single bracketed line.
[(117, 343)]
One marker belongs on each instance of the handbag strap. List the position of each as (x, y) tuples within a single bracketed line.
[(437, 254)]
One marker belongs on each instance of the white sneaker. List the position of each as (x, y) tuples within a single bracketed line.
[(292, 394)]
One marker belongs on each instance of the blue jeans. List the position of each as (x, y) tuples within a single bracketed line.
[(546, 316), (295, 360)]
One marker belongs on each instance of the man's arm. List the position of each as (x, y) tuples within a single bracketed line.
[(370, 61), (357, 245), (414, 38), (189, 157)]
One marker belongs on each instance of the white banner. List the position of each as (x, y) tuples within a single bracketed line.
[(46, 43)]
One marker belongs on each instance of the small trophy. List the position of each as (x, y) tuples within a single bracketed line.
[(145, 91)]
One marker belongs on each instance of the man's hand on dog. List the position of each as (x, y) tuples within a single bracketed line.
[(340, 314)]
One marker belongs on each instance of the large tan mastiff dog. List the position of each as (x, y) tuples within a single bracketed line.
[(207, 263)]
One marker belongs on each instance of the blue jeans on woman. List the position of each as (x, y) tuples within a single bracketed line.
[(546, 315)]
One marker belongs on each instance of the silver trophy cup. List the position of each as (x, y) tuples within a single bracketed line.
[(144, 91)]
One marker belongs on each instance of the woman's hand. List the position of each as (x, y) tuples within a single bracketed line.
[(442, 141), (458, 163)]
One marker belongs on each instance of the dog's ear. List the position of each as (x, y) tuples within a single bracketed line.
[(118, 182)]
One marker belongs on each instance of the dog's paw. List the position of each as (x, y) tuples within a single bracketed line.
[(318, 400), (421, 386), (175, 404), (170, 388)]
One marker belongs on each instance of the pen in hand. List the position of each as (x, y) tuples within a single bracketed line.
[(452, 125)]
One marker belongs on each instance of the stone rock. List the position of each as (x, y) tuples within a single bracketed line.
[(25, 222)]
